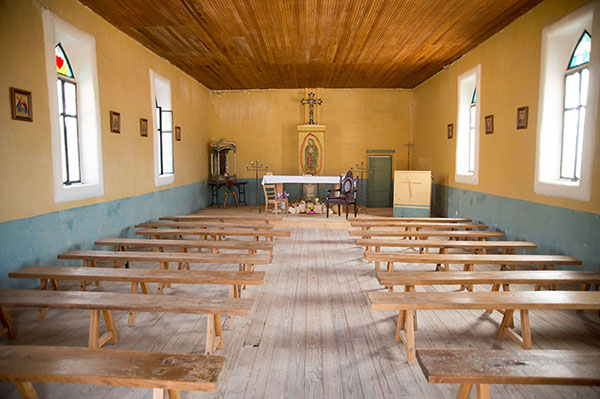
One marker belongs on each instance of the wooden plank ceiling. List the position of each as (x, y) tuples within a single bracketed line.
[(244, 44)]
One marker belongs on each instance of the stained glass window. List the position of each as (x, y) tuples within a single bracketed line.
[(63, 67), (581, 54)]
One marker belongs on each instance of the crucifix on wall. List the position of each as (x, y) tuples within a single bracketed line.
[(311, 104)]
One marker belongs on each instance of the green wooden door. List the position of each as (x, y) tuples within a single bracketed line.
[(380, 181)]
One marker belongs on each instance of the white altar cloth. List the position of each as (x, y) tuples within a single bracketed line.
[(273, 179)]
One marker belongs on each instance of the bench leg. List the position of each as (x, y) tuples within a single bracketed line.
[(213, 330), (483, 391), (234, 292), (174, 394), (525, 329), (158, 393), (9, 330), (409, 327), (377, 249), (464, 391), (508, 314), (131, 318), (525, 339), (26, 389), (94, 340)]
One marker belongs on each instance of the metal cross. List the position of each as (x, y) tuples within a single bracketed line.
[(311, 103)]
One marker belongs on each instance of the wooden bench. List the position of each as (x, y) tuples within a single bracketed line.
[(138, 277), (483, 367), (106, 302), (409, 302), (469, 260), (204, 225), (471, 234), (248, 218), (90, 258), (424, 245), (214, 234), (121, 244), (172, 372), (413, 219), (417, 226)]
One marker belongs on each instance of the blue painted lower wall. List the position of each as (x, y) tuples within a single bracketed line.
[(37, 240), (555, 230)]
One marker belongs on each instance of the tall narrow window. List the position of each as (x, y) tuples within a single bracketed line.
[(164, 157), (472, 130), (575, 99), (165, 134), (66, 88), (467, 138)]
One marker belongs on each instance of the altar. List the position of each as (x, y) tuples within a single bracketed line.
[(274, 179)]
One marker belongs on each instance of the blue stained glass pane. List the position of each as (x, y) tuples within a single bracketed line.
[(474, 99), (581, 55)]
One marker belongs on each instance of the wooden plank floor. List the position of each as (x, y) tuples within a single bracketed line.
[(312, 334)]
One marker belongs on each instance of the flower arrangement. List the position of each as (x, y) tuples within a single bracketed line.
[(282, 195)]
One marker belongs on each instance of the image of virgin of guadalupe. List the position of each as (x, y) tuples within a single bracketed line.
[(311, 157)]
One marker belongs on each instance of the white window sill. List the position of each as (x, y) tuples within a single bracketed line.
[(563, 189), (466, 178), (163, 180), (78, 191)]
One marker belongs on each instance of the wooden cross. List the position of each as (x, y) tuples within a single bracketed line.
[(311, 103), (410, 183), (409, 145)]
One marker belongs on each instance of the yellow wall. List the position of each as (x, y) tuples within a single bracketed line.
[(124, 86), (263, 123), (510, 68)]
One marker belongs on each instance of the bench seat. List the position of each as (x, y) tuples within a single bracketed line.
[(206, 224), (122, 244), (213, 233), (224, 218), (23, 365), (483, 367), (471, 234), (106, 302), (367, 225), (409, 302), (413, 219)]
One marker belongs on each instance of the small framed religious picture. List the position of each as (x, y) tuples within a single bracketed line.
[(20, 104), (115, 122), (489, 124), (451, 130), (522, 117), (178, 133), (143, 127)]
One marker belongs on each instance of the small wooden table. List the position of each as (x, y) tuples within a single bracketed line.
[(215, 186)]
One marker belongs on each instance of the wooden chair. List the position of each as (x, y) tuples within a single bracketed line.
[(271, 199), (347, 194)]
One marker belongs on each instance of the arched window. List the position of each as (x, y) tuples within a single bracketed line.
[(66, 87), (575, 101)]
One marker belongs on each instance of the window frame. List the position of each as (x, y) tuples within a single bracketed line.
[(63, 115), (558, 41), (160, 90), (469, 82)]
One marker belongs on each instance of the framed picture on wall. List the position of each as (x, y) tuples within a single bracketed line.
[(115, 122), (489, 124), (143, 127), (178, 133), (522, 117), (451, 130), (20, 104)]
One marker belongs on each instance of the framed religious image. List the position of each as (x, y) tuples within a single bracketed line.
[(115, 122), (489, 124), (451, 130), (143, 127), (522, 116), (20, 104), (178, 133)]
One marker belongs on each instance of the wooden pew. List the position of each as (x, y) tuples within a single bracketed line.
[(161, 372), (214, 234), (121, 244), (496, 278), (482, 367), (138, 277), (524, 301), (204, 225), (106, 302), (471, 234), (443, 245), (367, 225), (248, 218), (413, 219), (469, 260)]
